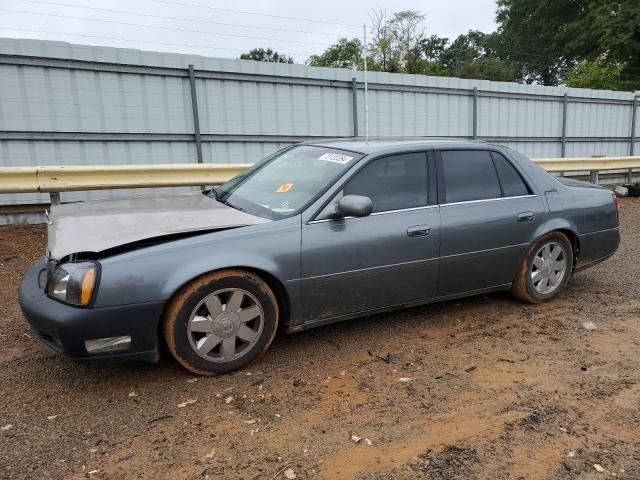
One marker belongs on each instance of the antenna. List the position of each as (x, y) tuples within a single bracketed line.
[(366, 86)]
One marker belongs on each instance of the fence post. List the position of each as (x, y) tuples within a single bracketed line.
[(563, 148), (475, 113), (354, 98), (196, 117), (632, 137)]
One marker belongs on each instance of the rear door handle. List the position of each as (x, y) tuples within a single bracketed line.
[(419, 231), (526, 217)]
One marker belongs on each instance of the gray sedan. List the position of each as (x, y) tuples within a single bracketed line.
[(313, 234)]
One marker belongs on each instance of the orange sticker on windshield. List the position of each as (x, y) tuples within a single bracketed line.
[(284, 188)]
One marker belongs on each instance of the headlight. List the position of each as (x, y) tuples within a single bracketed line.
[(73, 283)]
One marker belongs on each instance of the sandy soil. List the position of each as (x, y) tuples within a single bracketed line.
[(498, 390)]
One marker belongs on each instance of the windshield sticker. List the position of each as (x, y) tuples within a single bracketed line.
[(284, 188), (335, 157)]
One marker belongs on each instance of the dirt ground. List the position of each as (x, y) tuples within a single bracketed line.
[(497, 389)]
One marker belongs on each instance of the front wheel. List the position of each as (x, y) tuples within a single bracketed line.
[(220, 322), (545, 270)]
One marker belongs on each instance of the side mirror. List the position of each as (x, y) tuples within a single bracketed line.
[(353, 206)]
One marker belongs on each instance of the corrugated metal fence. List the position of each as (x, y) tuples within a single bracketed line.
[(80, 105)]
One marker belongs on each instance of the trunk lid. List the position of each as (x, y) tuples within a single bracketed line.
[(569, 182)]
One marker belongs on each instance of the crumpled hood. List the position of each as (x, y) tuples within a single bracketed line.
[(99, 225)]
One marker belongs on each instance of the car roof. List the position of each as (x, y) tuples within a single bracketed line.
[(385, 145)]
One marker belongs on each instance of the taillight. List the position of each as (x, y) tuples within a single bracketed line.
[(617, 204)]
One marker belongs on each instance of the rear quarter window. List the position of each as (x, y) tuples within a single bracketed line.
[(512, 183)]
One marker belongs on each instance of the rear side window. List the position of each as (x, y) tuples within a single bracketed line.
[(392, 183), (510, 179), (469, 175)]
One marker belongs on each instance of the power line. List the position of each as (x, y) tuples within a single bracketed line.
[(269, 39), (300, 19), (129, 40), (182, 19)]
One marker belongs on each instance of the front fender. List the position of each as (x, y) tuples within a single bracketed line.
[(157, 272)]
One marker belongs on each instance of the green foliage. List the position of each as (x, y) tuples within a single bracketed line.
[(552, 37), (344, 54), (539, 35), (598, 74), (266, 55), (580, 43), (491, 69)]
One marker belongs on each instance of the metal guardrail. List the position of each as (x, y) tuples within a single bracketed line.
[(587, 164), (55, 179)]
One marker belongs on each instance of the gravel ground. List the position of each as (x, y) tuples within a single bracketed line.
[(497, 389)]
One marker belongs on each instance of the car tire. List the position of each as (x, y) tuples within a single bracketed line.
[(540, 277), (220, 322)]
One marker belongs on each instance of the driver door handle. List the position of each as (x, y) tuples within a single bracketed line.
[(419, 231)]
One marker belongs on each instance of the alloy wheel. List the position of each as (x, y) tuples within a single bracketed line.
[(225, 325), (548, 268)]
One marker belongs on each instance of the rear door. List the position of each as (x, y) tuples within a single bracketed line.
[(388, 258), (489, 213)]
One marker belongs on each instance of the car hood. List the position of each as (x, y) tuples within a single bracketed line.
[(100, 225)]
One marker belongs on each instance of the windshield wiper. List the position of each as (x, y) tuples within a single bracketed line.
[(218, 196)]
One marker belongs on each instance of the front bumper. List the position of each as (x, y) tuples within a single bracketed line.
[(65, 328)]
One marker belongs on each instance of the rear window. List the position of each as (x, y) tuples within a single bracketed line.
[(512, 183), (469, 175)]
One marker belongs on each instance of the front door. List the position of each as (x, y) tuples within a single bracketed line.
[(385, 259)]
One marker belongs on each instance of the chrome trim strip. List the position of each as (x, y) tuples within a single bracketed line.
[(375, 214), (366, 270), (600, 231), (486, 250), (486, 200), (404, 210)]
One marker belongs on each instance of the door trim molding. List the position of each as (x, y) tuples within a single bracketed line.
[(374, 214), (484, 200)]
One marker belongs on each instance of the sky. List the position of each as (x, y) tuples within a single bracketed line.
[(226, 28)]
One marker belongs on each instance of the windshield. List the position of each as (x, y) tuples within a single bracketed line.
[(282, 184)]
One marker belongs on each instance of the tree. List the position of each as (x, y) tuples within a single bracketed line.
[(396, 43), (433, 47), (463, 50), (552, 37), (598, 74), (380, 47), (266, 55), (489, 68), (614, 28), (539, 34), (471, 55), (347, 53)]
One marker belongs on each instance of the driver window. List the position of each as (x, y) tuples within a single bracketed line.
[(392, 183)]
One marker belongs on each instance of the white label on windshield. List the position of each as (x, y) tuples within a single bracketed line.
[(335, 158)]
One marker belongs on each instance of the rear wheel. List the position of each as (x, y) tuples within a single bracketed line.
[(220, 322), (545, 270)]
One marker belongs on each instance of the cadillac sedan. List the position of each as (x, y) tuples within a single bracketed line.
[(313, 234)]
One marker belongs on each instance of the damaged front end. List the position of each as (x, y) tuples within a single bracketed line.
[(59, 294), (87, 228)]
